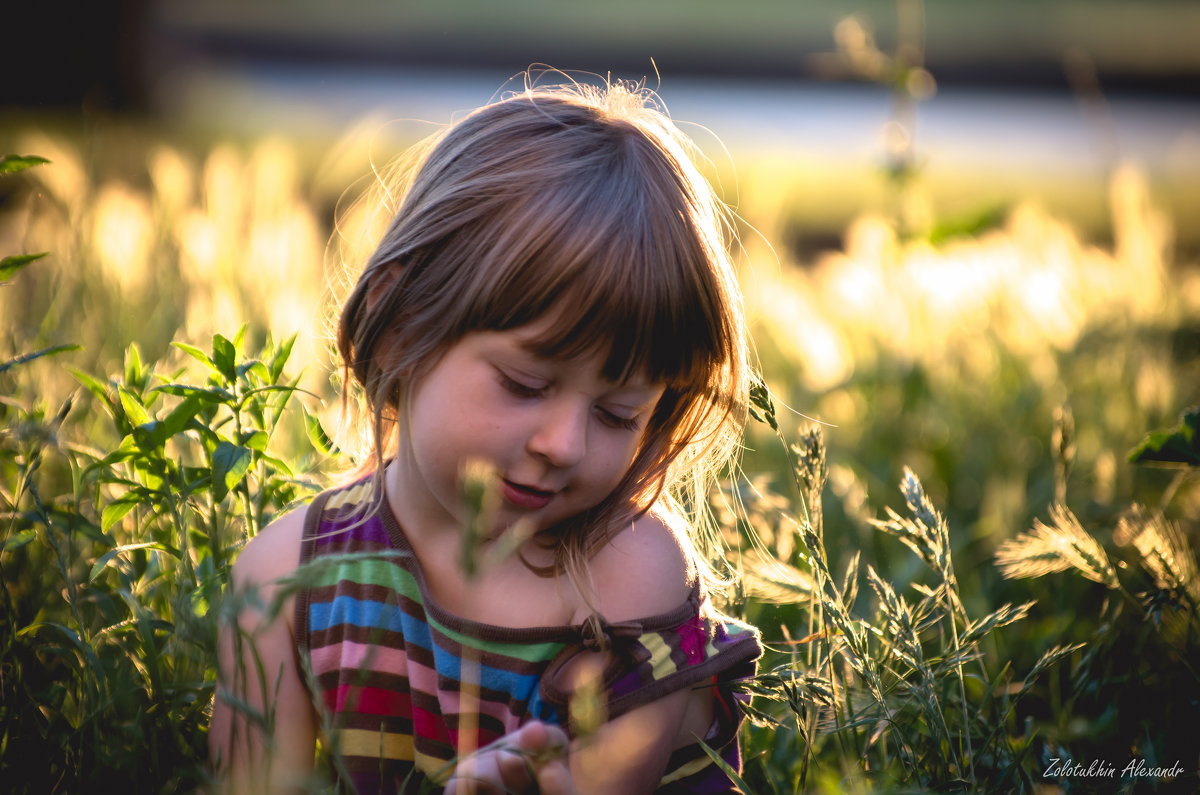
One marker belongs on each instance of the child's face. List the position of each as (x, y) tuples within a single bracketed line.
[(557, 433)]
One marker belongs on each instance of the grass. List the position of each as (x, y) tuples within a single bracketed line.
[(1028, 594)]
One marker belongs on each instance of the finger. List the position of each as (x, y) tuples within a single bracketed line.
[(538, 738), (513, 769), (458, 786), (476, 775), (554, 778), (556, 738)]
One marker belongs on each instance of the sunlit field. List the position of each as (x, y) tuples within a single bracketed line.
[(960, 573)]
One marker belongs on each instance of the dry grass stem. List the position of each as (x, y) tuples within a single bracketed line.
[(1059, 546)]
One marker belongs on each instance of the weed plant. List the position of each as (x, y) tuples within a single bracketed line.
[(933, 647), (899, 693), (116, 545), (908, 694)]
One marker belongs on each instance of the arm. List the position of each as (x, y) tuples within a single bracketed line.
[(263, 730), (643, 571), (629, 754)]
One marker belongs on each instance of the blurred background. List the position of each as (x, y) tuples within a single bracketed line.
[(945, 207), (958, 222), (1010, 91)]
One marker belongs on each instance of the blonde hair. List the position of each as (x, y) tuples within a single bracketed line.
[(582, 205)]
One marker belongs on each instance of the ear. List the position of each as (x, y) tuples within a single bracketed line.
[(367, 311), (378, 280)]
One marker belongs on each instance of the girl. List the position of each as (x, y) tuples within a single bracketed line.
[(553, 306)]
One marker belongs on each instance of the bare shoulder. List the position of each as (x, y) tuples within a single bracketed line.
[(644, 570), (273, 553), (250, 754)]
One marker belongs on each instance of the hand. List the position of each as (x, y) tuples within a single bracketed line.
[(531, 759)]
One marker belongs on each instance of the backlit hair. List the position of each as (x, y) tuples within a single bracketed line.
[(581, 205)]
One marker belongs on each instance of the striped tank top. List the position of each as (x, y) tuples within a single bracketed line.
[(402, 685)]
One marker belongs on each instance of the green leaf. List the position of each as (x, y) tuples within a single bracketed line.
[(213, 395), (86, 653), (200, 605), (317, 436), (224, 357), (273, 388), (17, 540), (971, 225), (29, 357), (135, 412), (739, 785), (198, 355), (116, 510), (11, 164), (230, 463), (195, 478), (177, 420), (1180, 445), (255, 440), (256, 368), (135, 369), (10, 265), (208, 437), (101, 564), (93, 384), (279, 464), (125, 451), (148, 439), (280, 357)]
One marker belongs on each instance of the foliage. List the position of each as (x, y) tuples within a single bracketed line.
[(901, 693), (923, 648), (1139, 678), (1181, 445), (911, 696), (114, 556)]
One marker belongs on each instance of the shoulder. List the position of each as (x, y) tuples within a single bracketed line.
[(273, 553), (644, 570)]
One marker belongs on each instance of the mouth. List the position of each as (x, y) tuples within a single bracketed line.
[(526, 497)]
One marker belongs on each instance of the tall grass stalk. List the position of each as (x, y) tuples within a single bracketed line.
[(890, 682)]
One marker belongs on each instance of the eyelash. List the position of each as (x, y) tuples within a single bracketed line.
[(521, 390), (619, 422)]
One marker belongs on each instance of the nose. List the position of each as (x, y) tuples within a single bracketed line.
[(560, 435)]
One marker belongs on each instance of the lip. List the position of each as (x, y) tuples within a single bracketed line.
[(526, 497)]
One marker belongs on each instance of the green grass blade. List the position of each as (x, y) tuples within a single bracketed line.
[(738, 783), (11, 164), (29, 357), (10, 265)]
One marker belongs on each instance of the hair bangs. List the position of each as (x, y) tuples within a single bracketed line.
[(645, 330), (619, 265)]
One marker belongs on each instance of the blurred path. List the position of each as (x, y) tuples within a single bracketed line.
[(1025, 130), (981, 146)]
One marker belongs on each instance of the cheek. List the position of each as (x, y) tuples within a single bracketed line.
[(617, 458), (466, 429)]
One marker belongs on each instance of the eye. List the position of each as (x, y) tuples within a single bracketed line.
[(618, 421), (519, 388)]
